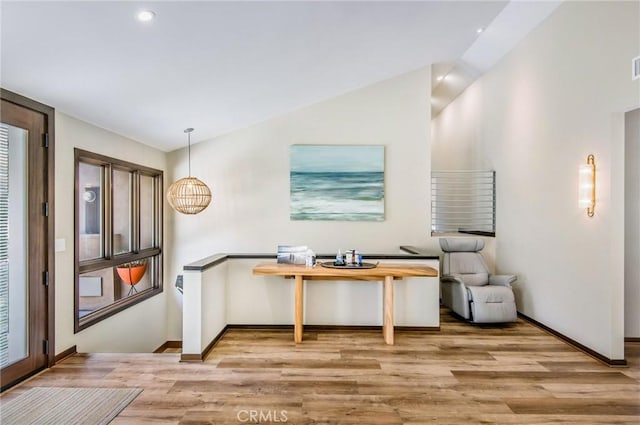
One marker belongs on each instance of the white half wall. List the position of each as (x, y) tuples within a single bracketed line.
[(632, 225), (269, 300), (559, 96), (141, 328), (248, 173), (230, 294)]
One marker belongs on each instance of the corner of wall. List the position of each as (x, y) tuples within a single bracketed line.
[(73, 133), (534, 117)]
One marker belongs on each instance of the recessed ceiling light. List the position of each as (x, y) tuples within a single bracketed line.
[(145, 15), (440, 77), (479, 30)]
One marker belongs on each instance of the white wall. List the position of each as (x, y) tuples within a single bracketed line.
[(205, 300), (534, 118), (248, 172), (140, 328), (632, 225)]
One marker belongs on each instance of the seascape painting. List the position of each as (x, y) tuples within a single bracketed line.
[(339, 183)]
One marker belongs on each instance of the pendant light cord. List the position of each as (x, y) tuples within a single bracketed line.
[(188, 131)]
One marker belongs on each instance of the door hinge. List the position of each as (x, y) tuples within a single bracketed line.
[(45, 209), (45, 140), (45, 278), (45, 346)]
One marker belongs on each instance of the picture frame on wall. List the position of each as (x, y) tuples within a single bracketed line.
[(337, 182)]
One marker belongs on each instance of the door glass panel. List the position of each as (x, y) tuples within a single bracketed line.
[(146, 212), (14, 288), (121, 211), (90, 181)]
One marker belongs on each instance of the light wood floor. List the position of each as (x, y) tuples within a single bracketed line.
[(463, 374)]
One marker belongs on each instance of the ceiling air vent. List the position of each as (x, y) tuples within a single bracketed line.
[(635, 68)]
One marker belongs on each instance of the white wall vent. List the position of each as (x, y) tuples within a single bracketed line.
[(635, 68)]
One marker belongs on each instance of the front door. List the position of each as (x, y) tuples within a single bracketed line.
[(23, 243)]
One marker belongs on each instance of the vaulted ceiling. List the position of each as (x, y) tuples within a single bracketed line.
[(219, 66)]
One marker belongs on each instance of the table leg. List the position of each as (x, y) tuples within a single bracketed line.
[(297, 332), (387, 310)]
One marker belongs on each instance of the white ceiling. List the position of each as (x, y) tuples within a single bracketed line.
[(219, 66), (513, 23)]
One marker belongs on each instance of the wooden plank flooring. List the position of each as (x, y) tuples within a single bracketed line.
[(463, 374)]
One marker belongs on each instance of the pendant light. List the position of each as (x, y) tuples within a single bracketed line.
[(189, 195)]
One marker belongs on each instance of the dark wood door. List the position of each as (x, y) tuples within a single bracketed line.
[(23, 255)]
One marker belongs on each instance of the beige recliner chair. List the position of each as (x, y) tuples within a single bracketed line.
[(467, 287)]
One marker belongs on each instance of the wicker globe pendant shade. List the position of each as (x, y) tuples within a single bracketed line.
[(189, 195)]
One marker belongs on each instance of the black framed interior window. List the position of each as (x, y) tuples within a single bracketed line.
[(118, 236)]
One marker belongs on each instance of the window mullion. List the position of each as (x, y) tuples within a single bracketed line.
[(157, 211), (135, 212), (157, 226), (108, 211)]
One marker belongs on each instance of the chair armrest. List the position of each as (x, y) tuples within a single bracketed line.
[(451, 278), (455, 295), (502, 279)]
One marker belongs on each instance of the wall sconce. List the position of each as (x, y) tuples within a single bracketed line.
[(587, 186)]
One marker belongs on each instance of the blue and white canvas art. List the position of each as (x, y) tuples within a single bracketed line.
[(340, 183)]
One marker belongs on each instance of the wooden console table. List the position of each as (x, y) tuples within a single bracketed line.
[(383, 272)]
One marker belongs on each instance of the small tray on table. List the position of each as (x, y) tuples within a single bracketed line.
[(333, 265)]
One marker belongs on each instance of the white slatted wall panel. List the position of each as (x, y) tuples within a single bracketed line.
[(463, 202)]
